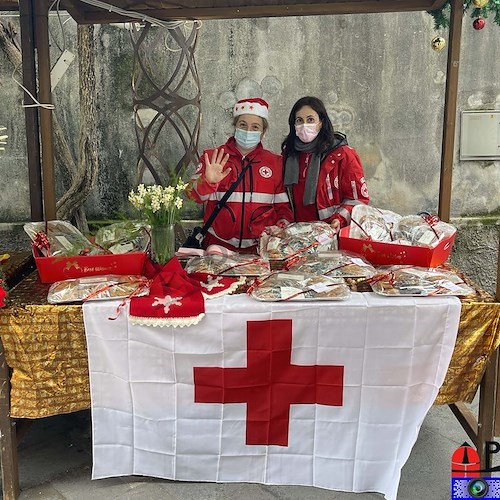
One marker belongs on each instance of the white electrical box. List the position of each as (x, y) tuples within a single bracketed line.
[(480, 135)]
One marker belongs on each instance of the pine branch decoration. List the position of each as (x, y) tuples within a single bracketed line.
[(442, 16)]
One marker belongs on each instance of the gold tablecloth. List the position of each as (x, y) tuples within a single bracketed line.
[(478, 337), (45, 347)]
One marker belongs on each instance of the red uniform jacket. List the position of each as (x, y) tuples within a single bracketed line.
[(341, 185), (259, 200)]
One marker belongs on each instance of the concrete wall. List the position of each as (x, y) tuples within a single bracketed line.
[(381, 81)]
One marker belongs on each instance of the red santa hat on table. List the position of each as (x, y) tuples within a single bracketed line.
[(174, 299), (252, 106)]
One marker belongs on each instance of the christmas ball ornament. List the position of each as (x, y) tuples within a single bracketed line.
[(478, 23), (480, 3), (438, 43)]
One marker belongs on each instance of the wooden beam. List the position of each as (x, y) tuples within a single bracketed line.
[(450, 110), (268, 9), (487, 407), (31, 114), (497, 294), (467, 420), (9, 5), (45, 97), (496, 430), (8, 442), (74, 9)]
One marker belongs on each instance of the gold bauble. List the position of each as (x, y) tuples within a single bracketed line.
[(438, 43), (480, 3)]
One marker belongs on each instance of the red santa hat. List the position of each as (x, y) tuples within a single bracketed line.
[(252, 106)]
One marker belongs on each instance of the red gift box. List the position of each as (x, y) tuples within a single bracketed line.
[(53, 269), (380, 253)]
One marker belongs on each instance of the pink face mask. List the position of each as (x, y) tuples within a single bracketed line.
[(307, 132)]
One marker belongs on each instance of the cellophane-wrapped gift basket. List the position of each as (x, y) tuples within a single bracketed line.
[(384, 237), (62, 252)]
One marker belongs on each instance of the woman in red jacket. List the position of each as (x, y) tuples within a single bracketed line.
[(323, 174), (259, 199)]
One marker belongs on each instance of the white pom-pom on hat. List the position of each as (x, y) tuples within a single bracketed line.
[(252, 106)]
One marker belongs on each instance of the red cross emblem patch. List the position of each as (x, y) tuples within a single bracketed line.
[(265, 172)]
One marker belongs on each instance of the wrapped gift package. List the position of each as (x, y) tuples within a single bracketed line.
[(60, 268), (104, 287), (382, 253), (415, 281)]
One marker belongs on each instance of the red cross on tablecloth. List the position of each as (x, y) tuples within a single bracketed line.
[(269, 383)]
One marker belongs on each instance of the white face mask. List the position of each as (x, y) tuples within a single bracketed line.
[(307, 132)]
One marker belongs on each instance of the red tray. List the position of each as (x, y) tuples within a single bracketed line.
[(53, 269), (381, 253)]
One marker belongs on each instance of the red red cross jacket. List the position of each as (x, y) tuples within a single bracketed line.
[(341, 185), (259, 200)]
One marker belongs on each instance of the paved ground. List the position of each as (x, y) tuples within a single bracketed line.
[(55, 463)]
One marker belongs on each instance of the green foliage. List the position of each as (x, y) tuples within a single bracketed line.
[(490, 10)]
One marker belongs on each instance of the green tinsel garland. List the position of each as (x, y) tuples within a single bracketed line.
[(442, 16)]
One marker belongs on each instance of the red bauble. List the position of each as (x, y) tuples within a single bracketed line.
[(479, 23)]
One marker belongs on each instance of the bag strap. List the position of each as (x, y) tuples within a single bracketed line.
[(222, 202)]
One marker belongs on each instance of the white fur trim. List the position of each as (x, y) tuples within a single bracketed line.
[(174, 322), (251, 108), (227, 291)]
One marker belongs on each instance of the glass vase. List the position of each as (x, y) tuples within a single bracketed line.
[(162, 243)]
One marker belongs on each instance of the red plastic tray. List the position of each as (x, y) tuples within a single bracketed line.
[(53, 269), (381, 253)]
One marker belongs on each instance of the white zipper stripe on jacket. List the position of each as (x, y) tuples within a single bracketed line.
[(245, 243), (354, 190), (352, 202), (329, 187), (344, 213), (327, 212), (203, 197), (256, 197), (324, 213)]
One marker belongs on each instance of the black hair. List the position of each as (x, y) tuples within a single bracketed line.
[(326, 136)]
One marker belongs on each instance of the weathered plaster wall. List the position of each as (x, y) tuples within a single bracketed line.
[(382, 83), (475, 249)]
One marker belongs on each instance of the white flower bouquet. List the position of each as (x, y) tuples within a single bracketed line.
[(161, 207)]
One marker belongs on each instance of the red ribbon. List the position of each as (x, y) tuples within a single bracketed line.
[(41, 242), (391, 277), (3, 294), (144, 284), (432, 220)]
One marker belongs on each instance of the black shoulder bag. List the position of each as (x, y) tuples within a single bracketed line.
[(195, 239)]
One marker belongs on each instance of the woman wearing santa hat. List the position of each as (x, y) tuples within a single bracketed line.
[(259, 198), (323, 174)]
